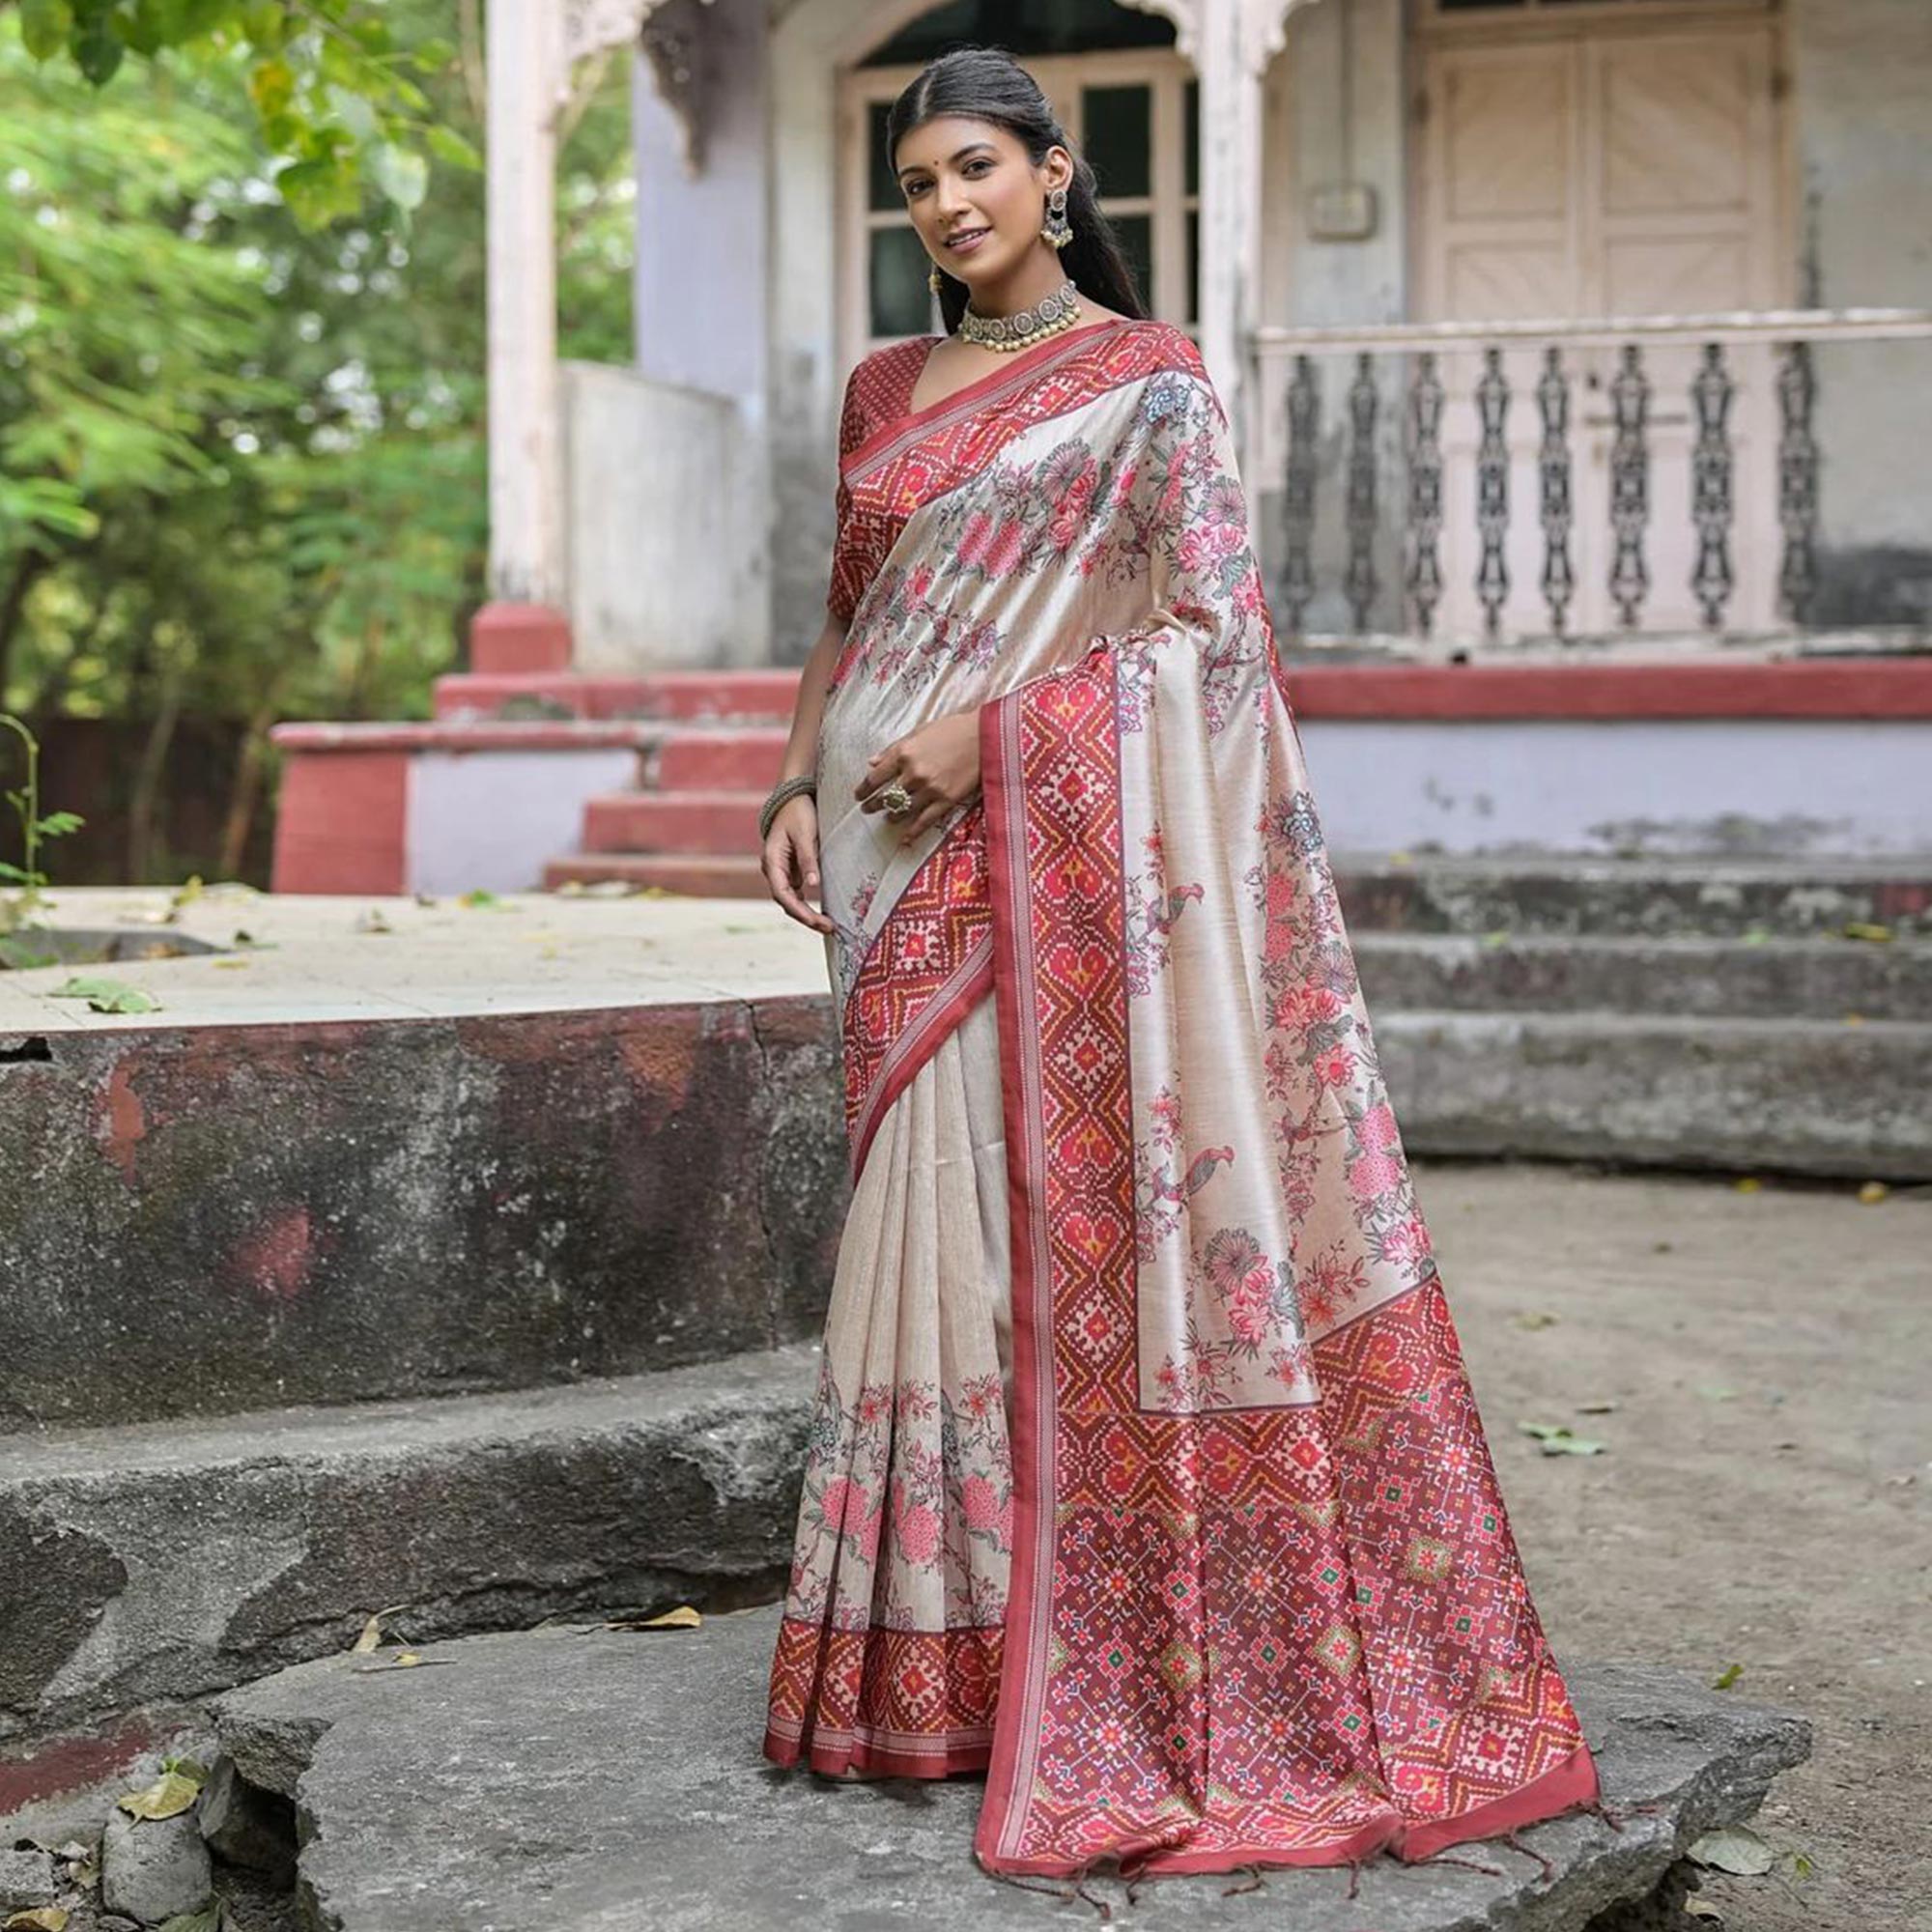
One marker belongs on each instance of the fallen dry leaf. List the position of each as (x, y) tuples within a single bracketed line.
[(42, 1918), (372, 1631), (684, 1617), (170, 1795), (1733, 1849)]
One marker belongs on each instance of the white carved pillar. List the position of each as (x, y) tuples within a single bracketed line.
[(1232, 43), (523, 628), (526, 72)]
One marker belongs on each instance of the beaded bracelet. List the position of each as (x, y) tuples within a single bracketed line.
[(782, 795)]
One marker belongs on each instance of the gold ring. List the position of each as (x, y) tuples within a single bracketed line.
[(896, 800)]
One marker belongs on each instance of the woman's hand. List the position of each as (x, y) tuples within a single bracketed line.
[(938, 764), (790, 860)]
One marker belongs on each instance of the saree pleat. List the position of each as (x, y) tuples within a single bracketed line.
[(1145, 1472), (889, 1646)]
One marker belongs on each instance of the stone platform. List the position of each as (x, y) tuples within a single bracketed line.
[(607, 1782)]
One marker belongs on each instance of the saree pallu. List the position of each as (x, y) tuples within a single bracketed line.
[(1145, 1472)]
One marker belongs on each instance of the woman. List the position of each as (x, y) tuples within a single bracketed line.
[(1143, 1473)]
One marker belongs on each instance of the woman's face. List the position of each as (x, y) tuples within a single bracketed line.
[(975, 198)]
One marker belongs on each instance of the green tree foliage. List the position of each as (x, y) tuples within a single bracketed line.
[(337, 93), (241, 469)]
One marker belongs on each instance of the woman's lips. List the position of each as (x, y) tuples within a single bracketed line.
[(966, 241)]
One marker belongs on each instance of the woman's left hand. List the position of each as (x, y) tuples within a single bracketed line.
[(938, 764)]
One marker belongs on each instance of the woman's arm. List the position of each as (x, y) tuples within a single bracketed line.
[(790, 856)]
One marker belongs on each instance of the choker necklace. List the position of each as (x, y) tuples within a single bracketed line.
[(1027, 325)]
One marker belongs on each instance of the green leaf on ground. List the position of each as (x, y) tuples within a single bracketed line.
[(107, 996), (1533, 1318), (1727, 1676), (1557, 1439)]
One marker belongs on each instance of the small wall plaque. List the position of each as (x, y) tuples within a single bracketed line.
[(1341, 212)]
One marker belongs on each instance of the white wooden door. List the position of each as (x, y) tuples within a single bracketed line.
[(1605, 169)]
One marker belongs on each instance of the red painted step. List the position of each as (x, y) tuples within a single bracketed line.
[(702, 822), (766, 697), (720, 757), (708, 878)]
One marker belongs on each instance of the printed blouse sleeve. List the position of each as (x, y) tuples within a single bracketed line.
[(841, 598)]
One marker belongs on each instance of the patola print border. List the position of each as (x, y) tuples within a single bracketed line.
[(1481, 1735)]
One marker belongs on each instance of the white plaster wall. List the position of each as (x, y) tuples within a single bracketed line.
[(494, 819), (1335, 113), (702, 244), (1862, 93), (665, 496), (809, 42), (1722, 788), (666, 491)]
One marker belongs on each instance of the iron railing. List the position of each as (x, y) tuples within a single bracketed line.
[(1505, 483)]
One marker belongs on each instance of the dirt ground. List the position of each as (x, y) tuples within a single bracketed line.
[(1764, 1499)]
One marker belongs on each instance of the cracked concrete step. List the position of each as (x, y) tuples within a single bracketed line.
[(1652, 897), (151, 1564), (1549, 895), (1775, 978), (1803, 1097), (245, 1216), (586, 1780)]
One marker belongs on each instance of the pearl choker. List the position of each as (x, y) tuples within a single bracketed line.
[(1027, 325)]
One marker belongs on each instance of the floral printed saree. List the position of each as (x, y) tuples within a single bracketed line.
[(1144, 1472)]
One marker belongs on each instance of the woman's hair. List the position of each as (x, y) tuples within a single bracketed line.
[(989, 84)]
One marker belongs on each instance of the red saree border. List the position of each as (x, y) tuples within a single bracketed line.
[(898, 470), (862, 1698), (1015, 965), (929, 964), (1020, 369)]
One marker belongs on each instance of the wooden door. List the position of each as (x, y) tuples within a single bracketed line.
[(1607, 169)]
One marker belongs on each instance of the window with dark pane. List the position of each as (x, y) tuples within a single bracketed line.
[(1193, 264), (1135, 234), (882, 189), (1117, 136), (1023, 27), (900, 296), (1192, 137)]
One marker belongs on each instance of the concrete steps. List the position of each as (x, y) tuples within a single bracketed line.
[(151, 1563), (701, 777), (1686, 978), (683, 823), (1816, 1097)]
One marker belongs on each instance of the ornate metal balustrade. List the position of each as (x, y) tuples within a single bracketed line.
[(1515, 483)]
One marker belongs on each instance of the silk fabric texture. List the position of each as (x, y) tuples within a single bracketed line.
[(1143, 1473)]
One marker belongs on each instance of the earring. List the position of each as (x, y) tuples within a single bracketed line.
[(1056, 228), (935, 280)]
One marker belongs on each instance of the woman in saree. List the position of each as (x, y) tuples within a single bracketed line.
[(1143, 1474)]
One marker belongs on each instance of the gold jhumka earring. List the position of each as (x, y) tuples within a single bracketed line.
[(1055, 228)]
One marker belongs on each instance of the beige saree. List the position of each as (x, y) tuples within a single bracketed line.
[(1143, 1473)]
